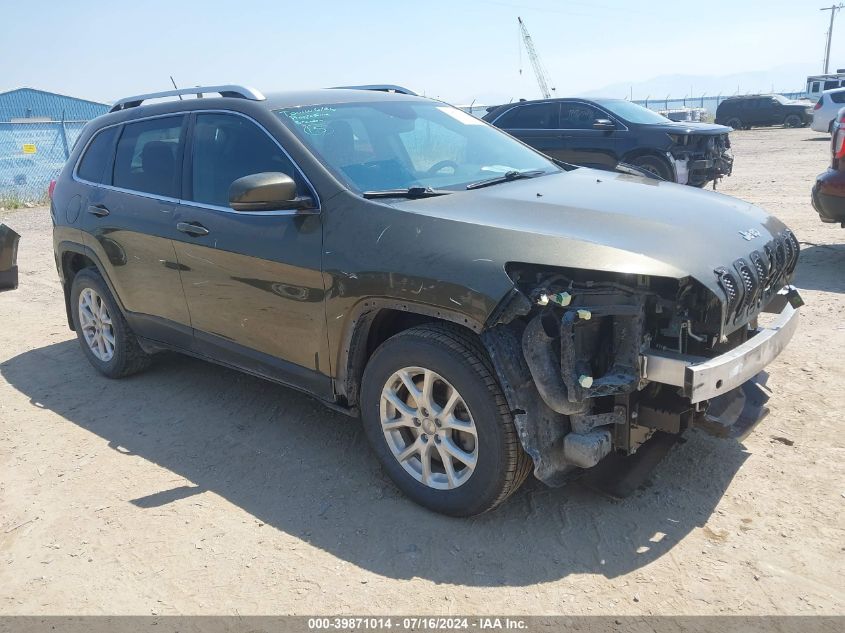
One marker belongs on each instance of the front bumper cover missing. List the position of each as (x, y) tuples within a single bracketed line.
[(706, 378)]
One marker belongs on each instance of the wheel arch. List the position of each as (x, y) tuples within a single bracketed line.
[(71, 258), (642, 152), (375, 320), (789, 115)]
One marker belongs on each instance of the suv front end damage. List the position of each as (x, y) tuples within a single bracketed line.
[(596, 363), (699, 158)]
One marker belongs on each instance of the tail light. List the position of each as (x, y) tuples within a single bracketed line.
[(818, 105), (51, 188)]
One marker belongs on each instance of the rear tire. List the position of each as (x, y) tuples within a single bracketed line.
[(104, 335), (735, 123), (461, 463), (654, 165)]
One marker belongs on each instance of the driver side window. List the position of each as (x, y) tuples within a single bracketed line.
[(227, 147)]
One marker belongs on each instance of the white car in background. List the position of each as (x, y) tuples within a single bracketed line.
[(824, 112)]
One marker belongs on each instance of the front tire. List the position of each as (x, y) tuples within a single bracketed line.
[(104, 335), (654, 165), (437, 420)]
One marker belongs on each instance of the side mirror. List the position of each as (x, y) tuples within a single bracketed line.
[(604, 124), (267, 191)]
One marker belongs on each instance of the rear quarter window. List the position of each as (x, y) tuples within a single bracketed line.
[(98, 156), (837, 97), (538, 116)]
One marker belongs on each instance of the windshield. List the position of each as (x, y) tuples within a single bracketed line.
[(398, 145), (631, 111)]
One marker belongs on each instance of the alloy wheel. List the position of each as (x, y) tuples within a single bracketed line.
[(96, 324), (429, 428)]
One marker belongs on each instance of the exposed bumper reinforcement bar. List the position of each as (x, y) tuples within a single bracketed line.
[(706, 378)]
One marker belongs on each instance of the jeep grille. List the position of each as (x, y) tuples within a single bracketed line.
[(750, 282)]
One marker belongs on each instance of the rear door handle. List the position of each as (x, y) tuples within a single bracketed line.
[(99, 210), (192, 229)]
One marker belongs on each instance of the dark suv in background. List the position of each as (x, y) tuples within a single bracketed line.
[(602, 133), (486, 311), (745, 112)]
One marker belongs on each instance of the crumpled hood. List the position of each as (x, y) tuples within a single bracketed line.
[(599, 220)]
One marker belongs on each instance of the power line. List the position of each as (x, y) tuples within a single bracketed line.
[(833, 9)]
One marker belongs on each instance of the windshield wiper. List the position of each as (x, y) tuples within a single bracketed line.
[(410, 192), (506, 177)]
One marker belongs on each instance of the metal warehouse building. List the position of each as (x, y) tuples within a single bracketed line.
[(37, 131)]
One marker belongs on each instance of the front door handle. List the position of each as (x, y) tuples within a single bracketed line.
[(99, 210), (197, 230)]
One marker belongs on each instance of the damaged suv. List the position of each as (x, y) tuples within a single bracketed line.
[(602, 133), (486, 311)]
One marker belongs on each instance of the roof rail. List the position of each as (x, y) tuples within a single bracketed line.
[(380, 88), (240, 92)]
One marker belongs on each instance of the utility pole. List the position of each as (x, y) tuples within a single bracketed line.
[(833, 9)]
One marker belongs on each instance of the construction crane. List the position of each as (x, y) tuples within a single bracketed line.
[(539, 71)]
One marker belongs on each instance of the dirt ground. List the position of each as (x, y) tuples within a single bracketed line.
[(194, 489)]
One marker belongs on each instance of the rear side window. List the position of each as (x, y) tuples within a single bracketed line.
[(227, 147), (97, 156), (538, 116), (837, 97), (830, 85), (147, 158)]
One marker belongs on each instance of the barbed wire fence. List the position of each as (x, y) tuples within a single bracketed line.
[(32, 154)]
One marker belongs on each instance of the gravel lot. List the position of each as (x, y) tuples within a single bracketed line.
[(195, 489)]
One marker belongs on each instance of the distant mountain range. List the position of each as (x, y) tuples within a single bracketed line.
[(789, 78)]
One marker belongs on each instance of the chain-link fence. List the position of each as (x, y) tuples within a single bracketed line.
[(31, 155), (705, 102)]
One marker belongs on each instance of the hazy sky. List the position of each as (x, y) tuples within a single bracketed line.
[(458, 50)]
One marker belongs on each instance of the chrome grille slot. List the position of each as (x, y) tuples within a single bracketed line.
[(729, 283), (763, 268), (794, 249), (788, 250), (769, 249), (780, 254), (749, 284)]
